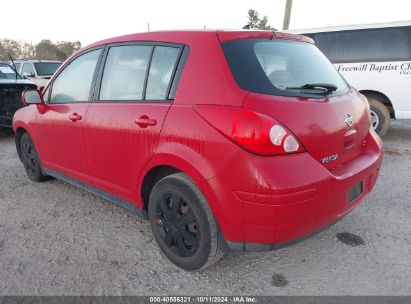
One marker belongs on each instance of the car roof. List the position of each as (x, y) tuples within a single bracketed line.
[(194, 36)]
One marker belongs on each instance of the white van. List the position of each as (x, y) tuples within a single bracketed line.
[(376, 60)]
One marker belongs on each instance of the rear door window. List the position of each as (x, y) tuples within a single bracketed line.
[(161, 71), (125, 73)]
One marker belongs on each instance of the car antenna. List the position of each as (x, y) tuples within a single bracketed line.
[(14, 66)]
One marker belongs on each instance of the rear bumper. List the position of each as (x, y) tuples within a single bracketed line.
[(272, 202), (257, 247)]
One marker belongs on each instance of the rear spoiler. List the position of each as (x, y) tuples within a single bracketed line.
[(250, 34)]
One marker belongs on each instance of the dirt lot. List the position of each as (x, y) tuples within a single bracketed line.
[(57, 240)]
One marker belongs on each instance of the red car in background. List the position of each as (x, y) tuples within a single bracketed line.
[(224, 140)]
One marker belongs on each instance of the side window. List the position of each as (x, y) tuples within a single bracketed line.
[(365, 45), (73, 84), (125, 72), (27, 69), (161, 71)]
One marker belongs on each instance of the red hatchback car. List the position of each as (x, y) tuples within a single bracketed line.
[(224, 140)]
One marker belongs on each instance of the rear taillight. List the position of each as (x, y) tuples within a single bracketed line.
[(254, 132)]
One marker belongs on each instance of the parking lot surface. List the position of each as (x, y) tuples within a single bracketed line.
[(58, 240)]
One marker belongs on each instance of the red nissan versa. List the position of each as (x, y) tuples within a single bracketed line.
[(224, 140)]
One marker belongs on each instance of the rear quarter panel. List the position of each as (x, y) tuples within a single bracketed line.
[(188, 143)]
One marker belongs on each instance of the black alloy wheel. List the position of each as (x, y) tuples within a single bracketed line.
[(183, 224), (177, 225)]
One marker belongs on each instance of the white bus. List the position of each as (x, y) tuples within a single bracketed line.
[(376, 60)]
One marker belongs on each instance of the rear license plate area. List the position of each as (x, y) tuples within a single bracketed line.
[(354, 192)]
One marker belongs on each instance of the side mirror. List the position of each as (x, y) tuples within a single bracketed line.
[(32, 97)]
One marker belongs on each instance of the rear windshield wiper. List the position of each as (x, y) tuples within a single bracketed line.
[(326, 88)]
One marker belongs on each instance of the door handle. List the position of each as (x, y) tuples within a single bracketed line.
[(74, 117), (144, 121)]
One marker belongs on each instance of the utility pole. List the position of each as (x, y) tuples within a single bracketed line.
[(287, 14), (148, 26)]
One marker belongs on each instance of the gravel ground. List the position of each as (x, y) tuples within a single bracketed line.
[(57, 240)]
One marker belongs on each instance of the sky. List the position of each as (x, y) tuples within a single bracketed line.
[(90, 21)]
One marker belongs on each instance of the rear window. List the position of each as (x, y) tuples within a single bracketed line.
[(279, 67), (7, 72)]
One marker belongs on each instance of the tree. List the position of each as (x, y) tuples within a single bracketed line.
[(254, 21), (65, 48), (27, 50), (9, 47), (45, 49)]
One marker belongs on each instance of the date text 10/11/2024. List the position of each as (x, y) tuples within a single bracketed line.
[(203, 299)]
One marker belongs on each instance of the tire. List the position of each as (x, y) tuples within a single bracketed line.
[(183, 224), (31, 160), (380, 116)]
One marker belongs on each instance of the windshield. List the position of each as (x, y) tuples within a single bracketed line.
[(46, 68), (7, 72), (280, 67)]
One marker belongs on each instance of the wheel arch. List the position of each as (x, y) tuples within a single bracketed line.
[(154, 174), (381, 97), (162, 165)]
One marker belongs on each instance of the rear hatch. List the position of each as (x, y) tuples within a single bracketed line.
[(320, 125), (294, 83)]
